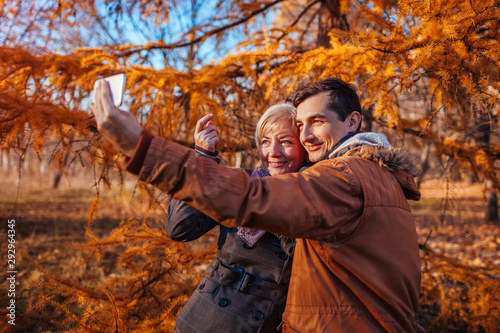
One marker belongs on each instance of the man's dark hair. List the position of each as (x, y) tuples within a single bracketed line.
[(343, 97)]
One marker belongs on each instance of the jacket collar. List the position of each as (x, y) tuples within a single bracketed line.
[(358, 139), (328, 153), (375, 147), (354, 140)]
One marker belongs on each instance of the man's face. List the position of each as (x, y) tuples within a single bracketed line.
[(320, 128)]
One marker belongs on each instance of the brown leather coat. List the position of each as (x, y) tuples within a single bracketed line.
[(357, 266)]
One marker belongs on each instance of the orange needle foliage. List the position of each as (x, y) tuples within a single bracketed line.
[(444, 54)]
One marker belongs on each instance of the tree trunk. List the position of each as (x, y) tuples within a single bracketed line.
[(64, 164), (482, 136), (492, 212), (424, 162), (330, 17)]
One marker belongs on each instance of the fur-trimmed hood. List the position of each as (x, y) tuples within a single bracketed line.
[(402, 164), (391, 158), (375, 147)]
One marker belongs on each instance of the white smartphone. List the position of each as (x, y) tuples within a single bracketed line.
[(117, 88)]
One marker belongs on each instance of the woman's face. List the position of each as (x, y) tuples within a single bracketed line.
[(281, 151)]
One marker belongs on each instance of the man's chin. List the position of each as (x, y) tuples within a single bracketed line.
[(315, 156)]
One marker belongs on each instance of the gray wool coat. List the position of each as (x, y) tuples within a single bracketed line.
[(245, 288)]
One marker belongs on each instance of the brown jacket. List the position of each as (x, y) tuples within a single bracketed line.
[(357, 266)]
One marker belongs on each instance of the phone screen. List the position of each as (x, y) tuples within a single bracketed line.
[(117, 87)]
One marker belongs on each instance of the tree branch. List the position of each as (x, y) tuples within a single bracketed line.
[(128, 51), (299, 17)]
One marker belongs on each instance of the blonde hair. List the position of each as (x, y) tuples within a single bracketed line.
[(278, 116)]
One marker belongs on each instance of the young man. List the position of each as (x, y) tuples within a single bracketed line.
[(356, 263)]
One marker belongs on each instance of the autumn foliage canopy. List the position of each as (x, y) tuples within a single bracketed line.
[(427, 68)]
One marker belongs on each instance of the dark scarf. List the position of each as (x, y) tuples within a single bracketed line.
[(249, 235), (351, 141)]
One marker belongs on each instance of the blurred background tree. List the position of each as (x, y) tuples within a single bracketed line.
[(427, 72)]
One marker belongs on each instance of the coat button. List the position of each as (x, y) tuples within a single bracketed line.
[(282, 255), (223, 302), (201, 286), (258, 315)]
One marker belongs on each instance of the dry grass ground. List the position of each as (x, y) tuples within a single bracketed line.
[(453, 214), (50, 226)]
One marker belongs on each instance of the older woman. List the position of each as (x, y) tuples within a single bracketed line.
[(245, 290)]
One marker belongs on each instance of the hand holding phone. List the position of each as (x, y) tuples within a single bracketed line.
[(116, 87), (118, 126)]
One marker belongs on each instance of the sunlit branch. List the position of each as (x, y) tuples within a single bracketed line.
[(129, 50)]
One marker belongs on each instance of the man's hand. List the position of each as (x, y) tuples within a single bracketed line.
[(206, 135), (118, 126)]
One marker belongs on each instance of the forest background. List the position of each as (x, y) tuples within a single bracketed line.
[(91, 253)]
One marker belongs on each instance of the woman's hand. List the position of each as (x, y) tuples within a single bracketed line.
[(121, 128), (206, 135)]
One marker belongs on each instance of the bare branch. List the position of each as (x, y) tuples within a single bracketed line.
[(127, 51)]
